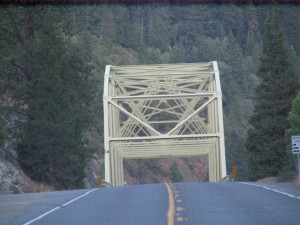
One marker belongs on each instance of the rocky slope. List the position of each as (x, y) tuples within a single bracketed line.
[(14, 180)]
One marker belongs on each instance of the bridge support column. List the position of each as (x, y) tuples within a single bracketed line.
[(119, 170), (107, 166)]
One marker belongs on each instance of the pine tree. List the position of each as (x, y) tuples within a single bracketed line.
[(176, 175), (294, 118), (294, 129), (51, 77), (2, 132), (266, 141)]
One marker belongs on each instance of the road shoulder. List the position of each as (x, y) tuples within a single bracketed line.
[(292, 189)]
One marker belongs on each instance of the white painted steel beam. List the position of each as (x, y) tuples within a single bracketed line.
[(164, 110)]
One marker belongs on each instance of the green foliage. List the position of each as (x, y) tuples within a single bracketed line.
[(55, 93), (287, 176), (294, 118), (266, 142), (293, 129), (175, 173), (294, 60), (52, 57), (3, 134)]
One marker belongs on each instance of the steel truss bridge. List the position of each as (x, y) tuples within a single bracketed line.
[(164, 110)]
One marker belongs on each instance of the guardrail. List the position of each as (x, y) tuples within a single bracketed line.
[(226, 179), (106, 184)]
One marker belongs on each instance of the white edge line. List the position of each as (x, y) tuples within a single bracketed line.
[(58, 207), (270, 189), (73, 200)]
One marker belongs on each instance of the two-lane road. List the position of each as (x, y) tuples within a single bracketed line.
[(158, 204)]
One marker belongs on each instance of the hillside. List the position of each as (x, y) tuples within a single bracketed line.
[(88, 37)]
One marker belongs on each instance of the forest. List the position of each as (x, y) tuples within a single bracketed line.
[(52, 65)]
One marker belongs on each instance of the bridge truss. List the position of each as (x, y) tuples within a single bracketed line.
[(164, 110)]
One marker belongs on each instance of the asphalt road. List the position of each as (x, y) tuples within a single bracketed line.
[(159, 204), (234, 204), (129, 205)]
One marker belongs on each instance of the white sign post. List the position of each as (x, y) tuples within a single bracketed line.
[(296, 150)]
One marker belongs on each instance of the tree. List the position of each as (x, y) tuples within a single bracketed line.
[(294, 127), (278, 86), (2, 132), (176, 175), (53, 90), (294, 118), (133, 34)]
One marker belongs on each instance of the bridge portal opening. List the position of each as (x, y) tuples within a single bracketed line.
[(159, 170)]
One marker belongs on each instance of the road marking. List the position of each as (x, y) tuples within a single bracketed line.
[(270, 189), (41, 216), (171, 211), (58, 207), (179, 218), (180, 209)]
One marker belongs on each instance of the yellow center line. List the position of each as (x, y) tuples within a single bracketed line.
[(171, 211)]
